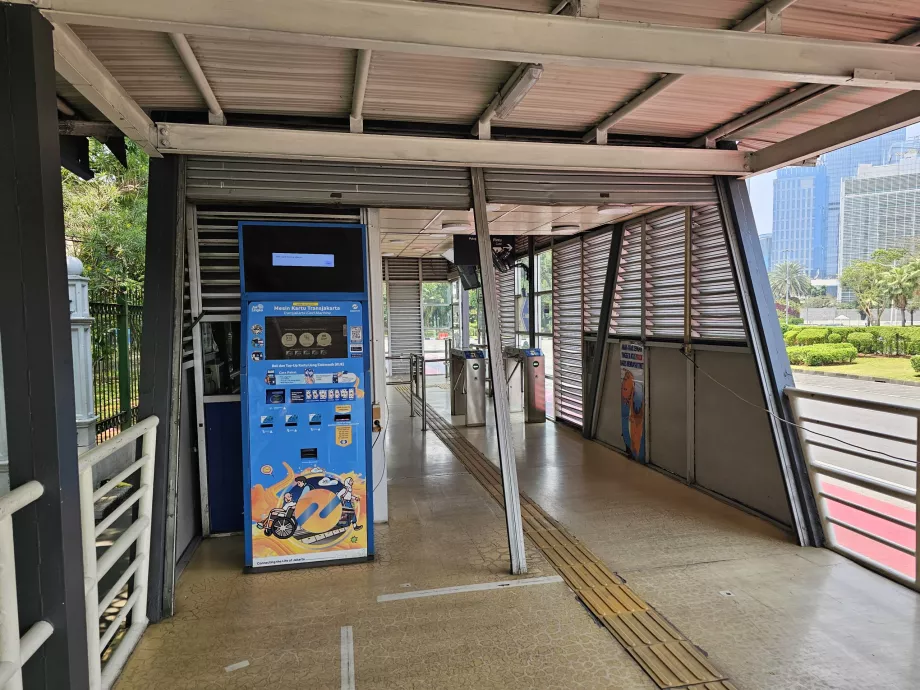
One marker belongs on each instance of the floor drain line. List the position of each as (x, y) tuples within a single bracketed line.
[(663, 652)]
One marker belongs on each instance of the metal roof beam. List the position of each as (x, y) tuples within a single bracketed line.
[(374, 148), (489, 34), (187, 55), (74, 61), (744, 126), (362, 70), (892, 114), (751, 23)]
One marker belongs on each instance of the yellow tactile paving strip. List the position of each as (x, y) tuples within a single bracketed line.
[(667, 656)]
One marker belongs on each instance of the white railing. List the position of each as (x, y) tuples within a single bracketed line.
[(862, 459), (94, 569), (15, 651)]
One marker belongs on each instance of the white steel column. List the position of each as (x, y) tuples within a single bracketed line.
[(499, 382), (378, 364), (80, 342)]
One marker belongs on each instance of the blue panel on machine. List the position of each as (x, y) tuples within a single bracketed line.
[(306, 435)]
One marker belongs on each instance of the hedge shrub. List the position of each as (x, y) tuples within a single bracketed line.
[(915, 363), (812, 336), (822, 354), (834, 337), (789, 335), (862, 341)]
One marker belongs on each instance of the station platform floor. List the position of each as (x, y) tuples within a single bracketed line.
[(768, 614)]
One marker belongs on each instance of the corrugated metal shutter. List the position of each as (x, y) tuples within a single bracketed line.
[(379, 186), (404, 301), (506, 308), (626, 314), (436, 269), (665, 251), (217, 263), (715, 309), (567, 331), (595, 253), (591, 188)]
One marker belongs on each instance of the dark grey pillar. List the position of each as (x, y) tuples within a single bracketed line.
[(161, 360), (589, 423), (770, 353), (37, 363), (532, 305)]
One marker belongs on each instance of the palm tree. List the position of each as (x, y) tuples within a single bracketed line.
[(900, 284), (789, 278)]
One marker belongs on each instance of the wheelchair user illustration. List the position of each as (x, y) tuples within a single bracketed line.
[(280, 521)]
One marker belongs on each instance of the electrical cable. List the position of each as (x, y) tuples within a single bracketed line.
[(381, 435), (785, 421)]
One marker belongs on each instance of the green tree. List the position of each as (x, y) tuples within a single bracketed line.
[(106, 217), (789, 278), (864, 278), (899, 284)]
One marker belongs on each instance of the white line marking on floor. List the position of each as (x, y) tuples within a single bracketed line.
[(348, 658), (526, 582), (237, 666)]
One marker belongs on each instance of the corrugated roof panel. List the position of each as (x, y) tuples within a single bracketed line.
[(696, 105), (704, 14), (837, 103), (574, 98), (422, 88), (853, 20), (76, 100), (146, 64), (538, 6), (277, 78)]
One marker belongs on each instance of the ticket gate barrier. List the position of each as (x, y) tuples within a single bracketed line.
[(526, 382), (468, 385)]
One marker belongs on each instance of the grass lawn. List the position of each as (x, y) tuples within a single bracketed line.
[(879, 367)]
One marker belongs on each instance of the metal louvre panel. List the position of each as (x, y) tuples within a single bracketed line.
[(665, 255), (595, 253), (380, 186), (591, 188), (567, 331), (714, 306), (404, 302), (218, 251), (401, 268), (506, 307), (436, 269), (626, 313)]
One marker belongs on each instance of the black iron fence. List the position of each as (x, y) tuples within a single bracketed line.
[(116, 339)]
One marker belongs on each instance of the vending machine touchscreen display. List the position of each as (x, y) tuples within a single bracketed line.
[(306, 337)]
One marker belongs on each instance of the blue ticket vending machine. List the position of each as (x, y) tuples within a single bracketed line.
[(308, 490)]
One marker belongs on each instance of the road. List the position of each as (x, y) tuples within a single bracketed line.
[(861, 419)]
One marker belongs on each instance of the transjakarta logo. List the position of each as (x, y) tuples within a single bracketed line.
[(355, 306), (258, 307), (301, 307)]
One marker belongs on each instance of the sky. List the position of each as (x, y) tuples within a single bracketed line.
[(761, 189)]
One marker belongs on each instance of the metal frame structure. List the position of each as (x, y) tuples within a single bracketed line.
[(418, 382)]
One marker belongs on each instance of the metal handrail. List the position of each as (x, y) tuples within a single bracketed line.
[(137, 534), (812, 439), (15, 651), (417, 372)]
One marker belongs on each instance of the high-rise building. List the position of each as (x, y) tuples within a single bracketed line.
[(800, 218), (766, 247), (844, 163), (880, 209)]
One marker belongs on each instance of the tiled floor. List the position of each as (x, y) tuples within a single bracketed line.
[(771, 615)]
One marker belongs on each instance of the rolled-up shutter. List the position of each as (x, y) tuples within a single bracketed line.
[(715, 309), (505, 283), (665, 252), (315, 182), (567, 331), (545, 187), (626, 314), (595, 253), (404, 304)]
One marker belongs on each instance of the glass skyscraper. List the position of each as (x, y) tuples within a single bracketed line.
[(806, 203), (800, 199)]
